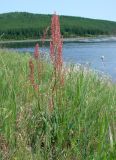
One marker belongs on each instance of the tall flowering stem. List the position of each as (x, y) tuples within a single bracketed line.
[(56, 56), (38, 61), (31, 75), (56, 44), (32, 67), (36, 52)]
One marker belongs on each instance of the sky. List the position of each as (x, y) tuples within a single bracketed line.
[(98, 9)]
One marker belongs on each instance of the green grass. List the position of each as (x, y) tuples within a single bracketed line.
[(82, 125)]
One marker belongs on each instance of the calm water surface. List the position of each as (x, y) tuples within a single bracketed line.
[(91, 53), (84, 53)]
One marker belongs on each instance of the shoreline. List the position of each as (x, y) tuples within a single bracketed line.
[(86, 69), (77, 39)]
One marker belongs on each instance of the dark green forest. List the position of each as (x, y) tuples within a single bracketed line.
[(22, 25)]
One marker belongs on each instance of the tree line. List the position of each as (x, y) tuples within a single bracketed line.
[(22, 25)]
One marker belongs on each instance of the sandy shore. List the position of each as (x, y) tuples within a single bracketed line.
[(78, 39)]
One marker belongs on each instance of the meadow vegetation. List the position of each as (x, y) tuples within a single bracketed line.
[(81, 125), (49, 111)]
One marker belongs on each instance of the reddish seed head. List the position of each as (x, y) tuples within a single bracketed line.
[(31, 66), (31, 75), (36, 52), (52, 56), (56, 43), (55, 29)]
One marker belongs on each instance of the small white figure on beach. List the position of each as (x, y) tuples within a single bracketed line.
[(102, 58)]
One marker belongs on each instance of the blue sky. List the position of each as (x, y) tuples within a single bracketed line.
[(99, 9)]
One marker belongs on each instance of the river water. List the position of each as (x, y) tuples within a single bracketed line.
[(99, 55)]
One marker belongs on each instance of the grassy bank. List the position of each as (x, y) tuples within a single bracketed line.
[(80, 126)]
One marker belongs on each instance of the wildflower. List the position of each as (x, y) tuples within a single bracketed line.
[(36, 52), (31, 76), (56, 43), (62, 78), (52, 52)]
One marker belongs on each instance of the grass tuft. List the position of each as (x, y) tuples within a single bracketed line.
[(81, 126)]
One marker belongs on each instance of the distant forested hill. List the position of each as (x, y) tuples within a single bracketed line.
[(22, 25)]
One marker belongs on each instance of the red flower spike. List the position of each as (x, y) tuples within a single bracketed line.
[(36, 52), (56, 43)]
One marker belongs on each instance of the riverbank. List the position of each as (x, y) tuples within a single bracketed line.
[(77, 39), (78, 123)]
